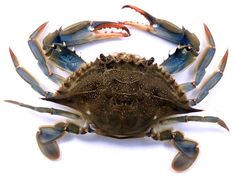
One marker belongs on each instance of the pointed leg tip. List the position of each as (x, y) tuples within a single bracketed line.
[(206, 28), (14, 58), (7, 101), (223, 124), (42, 26), (38, 31), (225, 55), (10, 101), (11, 52), (209, 36), (223, 62)]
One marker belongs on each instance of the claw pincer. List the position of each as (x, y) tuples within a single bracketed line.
[(55, 45), (186, 52), (121, 95), (188, 43), (84, 32), (55, 49)]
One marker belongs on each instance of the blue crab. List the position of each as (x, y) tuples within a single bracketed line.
[(121, 95)]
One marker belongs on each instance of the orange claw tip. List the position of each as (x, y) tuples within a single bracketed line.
[(132, 7), (209, 35), (150, 18), (225, 57), (223, 61), (13, 57), (38, 30), (206, 28), (42, 26), (135, 8), (226, 54), (127, 6), (207, 31)]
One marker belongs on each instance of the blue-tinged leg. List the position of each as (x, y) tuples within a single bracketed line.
[(188, 149), (188, 152), (51, 111), (180, 59), (64, 58), (184, 119), (188, 43), (89, 31), (28, 77), (56, 43), (205, 60), (47, 137), (211, 82), (38, 53), (56, 53)]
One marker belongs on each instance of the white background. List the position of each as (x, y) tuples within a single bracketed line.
[(96, 155)]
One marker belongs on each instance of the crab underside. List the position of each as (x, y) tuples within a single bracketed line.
[(121, 95)]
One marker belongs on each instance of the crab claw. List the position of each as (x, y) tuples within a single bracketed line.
[(84, 32), (152, 20), (164, 29)]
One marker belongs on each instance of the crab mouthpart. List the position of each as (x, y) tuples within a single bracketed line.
[(110, 30)]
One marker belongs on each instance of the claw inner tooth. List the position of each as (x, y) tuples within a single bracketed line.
[(111, 30), (139, 16)]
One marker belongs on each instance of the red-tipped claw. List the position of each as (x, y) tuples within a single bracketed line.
[(102, 26), (38, 31), (150, 18), (14, 58)]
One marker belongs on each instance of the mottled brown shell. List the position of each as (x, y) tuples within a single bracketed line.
[(122, 94)]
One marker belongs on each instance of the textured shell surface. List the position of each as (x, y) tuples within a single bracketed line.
[(122, 95)]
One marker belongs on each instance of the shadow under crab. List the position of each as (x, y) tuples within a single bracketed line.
[(121, 95)]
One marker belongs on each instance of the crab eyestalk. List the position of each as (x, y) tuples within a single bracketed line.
[(165, 29), (84, 32)]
